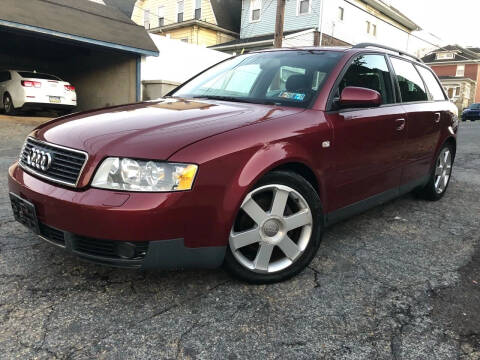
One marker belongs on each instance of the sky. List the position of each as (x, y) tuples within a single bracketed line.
[(454, 21)]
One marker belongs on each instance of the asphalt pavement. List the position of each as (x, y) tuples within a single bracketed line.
[(401, 281)]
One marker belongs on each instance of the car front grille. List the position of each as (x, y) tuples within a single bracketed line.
[(97, 248), (107, 248), (53, 235), (52, 162)]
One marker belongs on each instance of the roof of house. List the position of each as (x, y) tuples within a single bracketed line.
[(78, 20), (474, 49), (254, 39), (461, 54), (393, 13), (125, 6), (228, 13)]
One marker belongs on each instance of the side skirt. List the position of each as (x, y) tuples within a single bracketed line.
[(371, 202)]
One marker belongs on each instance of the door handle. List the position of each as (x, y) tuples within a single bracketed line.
[(400, 123), (436, 118)]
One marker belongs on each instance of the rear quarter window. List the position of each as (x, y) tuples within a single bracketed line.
[(432, 84)]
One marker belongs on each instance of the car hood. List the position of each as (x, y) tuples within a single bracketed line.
[(153, 130)]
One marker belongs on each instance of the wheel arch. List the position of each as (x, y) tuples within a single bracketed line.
[(453, 141)]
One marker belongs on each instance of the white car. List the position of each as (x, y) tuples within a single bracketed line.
[(24, 90)]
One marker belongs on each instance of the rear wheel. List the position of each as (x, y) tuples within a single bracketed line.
[(8, 105), (441, 174), (277, 230)]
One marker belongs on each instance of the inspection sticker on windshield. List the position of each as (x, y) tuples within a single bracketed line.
[(292, 96)]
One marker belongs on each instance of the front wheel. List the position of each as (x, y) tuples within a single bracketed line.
[(441, 174), (277, 230)]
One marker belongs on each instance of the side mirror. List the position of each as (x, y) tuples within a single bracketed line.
[(353, 97)]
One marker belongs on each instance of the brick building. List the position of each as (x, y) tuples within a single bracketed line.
[(459, 71)]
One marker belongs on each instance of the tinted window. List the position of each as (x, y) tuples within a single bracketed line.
[(371, 72), (432, 84), (291, 78), (475, 106), (26, 74), (409, 80), (4, 76)]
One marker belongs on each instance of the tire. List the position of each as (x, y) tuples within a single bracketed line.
[(8, 105), (441, 174), (257, 250)]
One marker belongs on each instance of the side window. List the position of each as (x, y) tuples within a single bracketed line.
[(432, 84), (371, 72), (411, 85)]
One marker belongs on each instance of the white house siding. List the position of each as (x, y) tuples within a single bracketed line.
[(352, 29), (298, 40), (266, 25)]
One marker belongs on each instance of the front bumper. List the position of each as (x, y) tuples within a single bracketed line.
[(163, 254), (101, 225)]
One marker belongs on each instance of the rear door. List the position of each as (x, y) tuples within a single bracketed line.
[(368, 142), (423, 122)]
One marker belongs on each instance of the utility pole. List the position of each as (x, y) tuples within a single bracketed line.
[(279, 23)]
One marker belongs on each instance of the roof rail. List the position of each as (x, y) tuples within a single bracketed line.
[(400, 52)]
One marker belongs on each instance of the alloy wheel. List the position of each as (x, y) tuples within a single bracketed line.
[(7, 103), (272, 229), (443, 170)]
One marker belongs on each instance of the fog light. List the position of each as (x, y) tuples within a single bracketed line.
[(126, 250)]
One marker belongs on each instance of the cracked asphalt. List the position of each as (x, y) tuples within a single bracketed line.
[(401, 281)]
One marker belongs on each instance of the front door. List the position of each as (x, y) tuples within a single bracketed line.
[(369, 142)]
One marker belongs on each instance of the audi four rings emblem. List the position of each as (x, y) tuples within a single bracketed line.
[(39, 159)]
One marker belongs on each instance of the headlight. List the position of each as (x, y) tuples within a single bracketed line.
[(138, 175)]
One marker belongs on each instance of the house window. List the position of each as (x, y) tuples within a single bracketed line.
[(303, 7), (255, 9), (371, 28), (198, 9), (180, 11), (161, 16), (460, 71), (445, 56), (146, 19), (341, 13)]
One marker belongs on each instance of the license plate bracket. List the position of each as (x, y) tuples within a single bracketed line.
[(24, 212)]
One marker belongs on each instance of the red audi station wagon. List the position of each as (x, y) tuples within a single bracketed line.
[(244, 165)]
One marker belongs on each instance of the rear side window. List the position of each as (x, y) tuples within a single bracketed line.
[(432, 84), (4, 76), (26, 74), (409, 80), (371, 72)]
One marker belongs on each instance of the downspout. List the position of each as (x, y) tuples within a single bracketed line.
[(139, 78), (320, 22)]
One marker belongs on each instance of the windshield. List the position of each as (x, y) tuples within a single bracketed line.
[(291, 78), (475, 106)]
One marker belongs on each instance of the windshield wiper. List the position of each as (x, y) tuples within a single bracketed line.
[(235, 99)]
